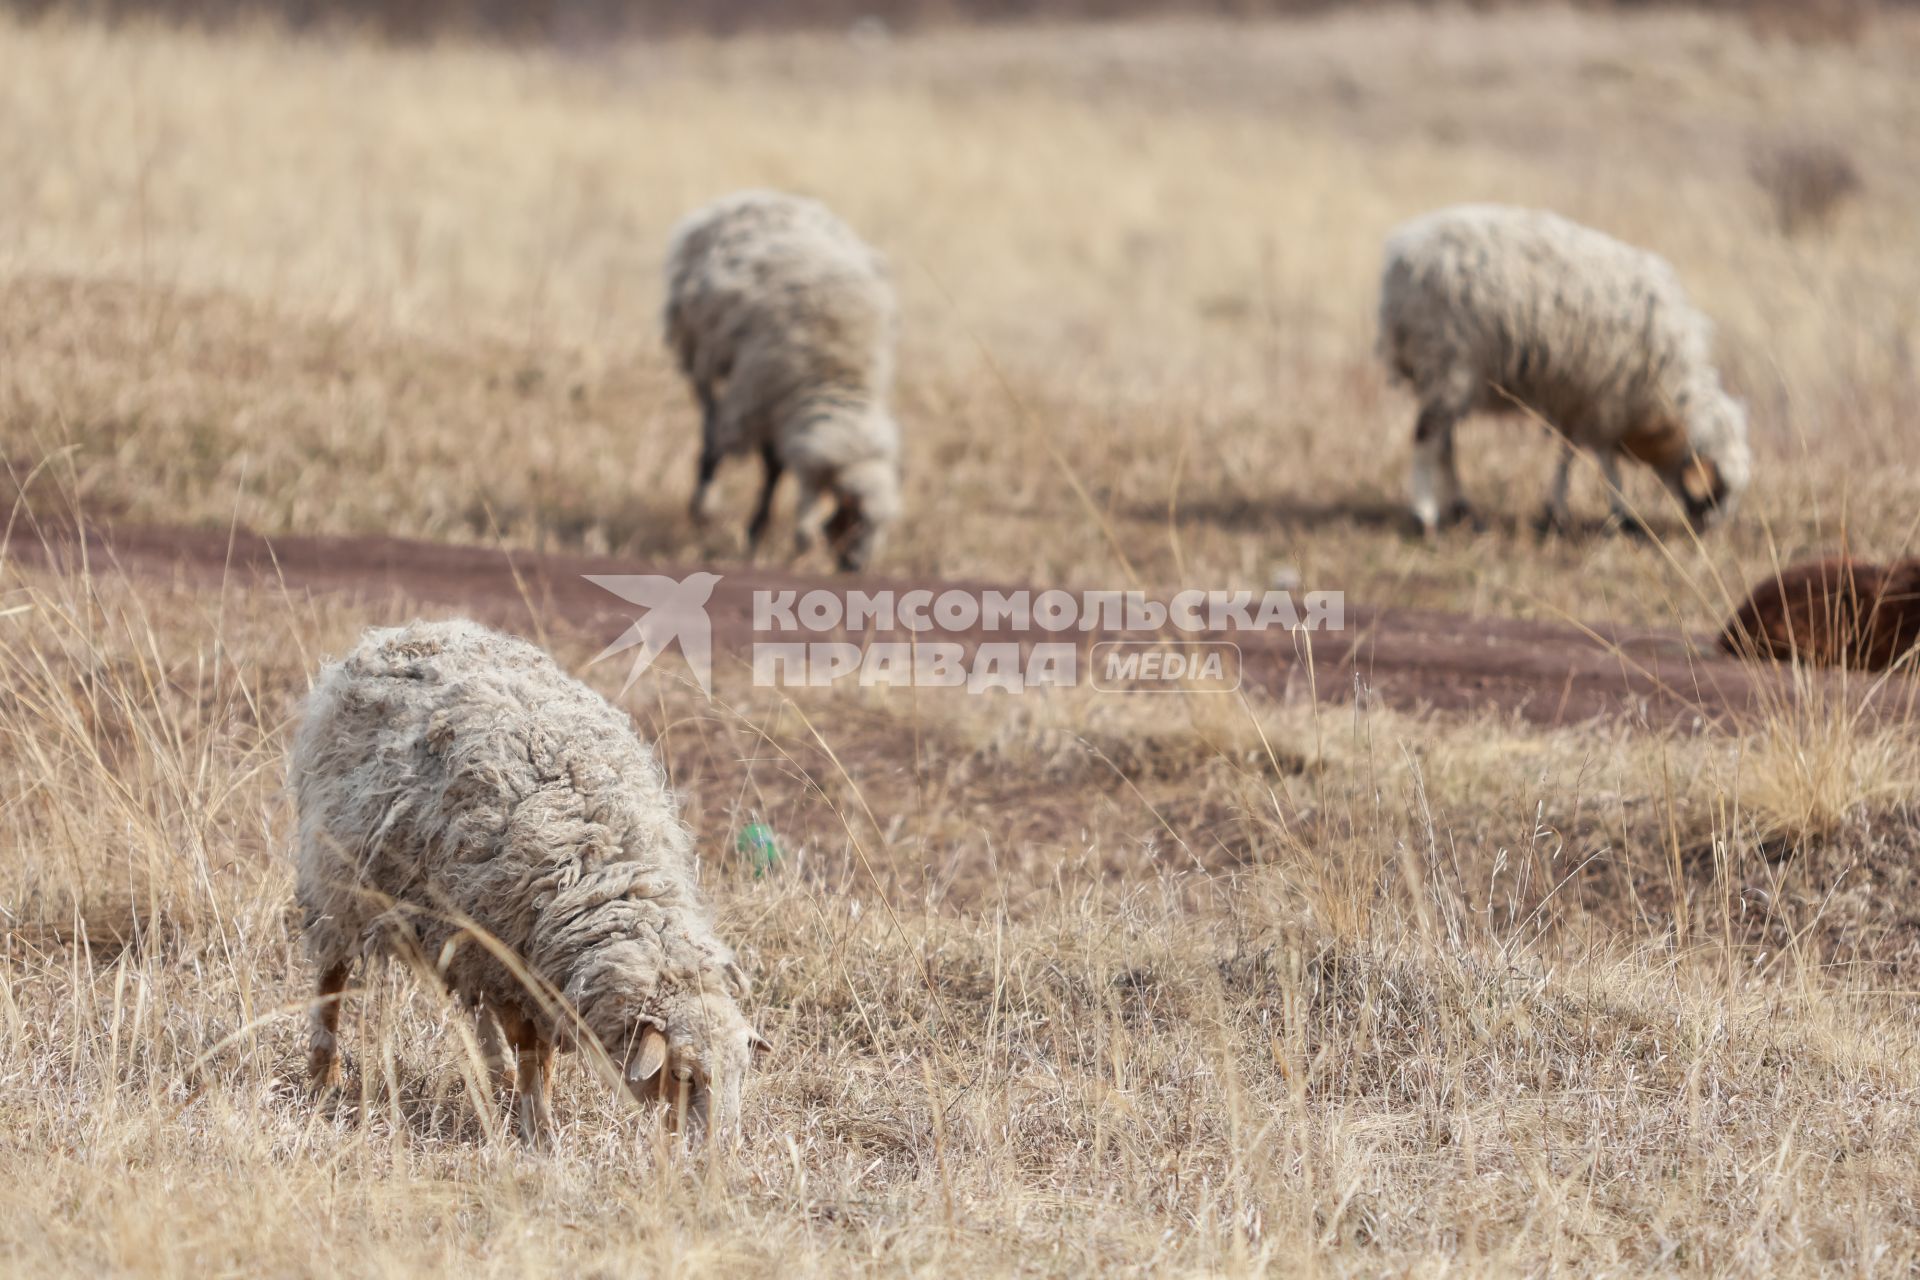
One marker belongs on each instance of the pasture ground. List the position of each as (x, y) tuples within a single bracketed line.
[(1061, 983)]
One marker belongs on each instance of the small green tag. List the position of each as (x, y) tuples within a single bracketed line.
[(757, 843)]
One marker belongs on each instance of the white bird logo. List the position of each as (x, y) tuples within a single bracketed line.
[(675, 611)]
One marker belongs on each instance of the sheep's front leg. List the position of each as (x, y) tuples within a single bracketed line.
[(1436, 483), (323, 1020), (809, 513), (535, 1092), (763, 511), (1624, 520), (533, 1083)]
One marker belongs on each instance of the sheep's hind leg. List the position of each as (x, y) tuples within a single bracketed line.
[(1437, 498), (1557, 516), (1457, 510), (323, 1020), (493, 1049)]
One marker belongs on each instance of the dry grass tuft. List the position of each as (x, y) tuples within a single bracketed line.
[(1816, 771)]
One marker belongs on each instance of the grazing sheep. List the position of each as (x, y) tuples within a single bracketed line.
[(1830, 613), (783, 321), (464, 802), (1486, 307)]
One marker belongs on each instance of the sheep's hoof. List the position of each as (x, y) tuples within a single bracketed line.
[(1553, 522), (323, 1074), (538, 1138), (1629, 526), (1427, 524)]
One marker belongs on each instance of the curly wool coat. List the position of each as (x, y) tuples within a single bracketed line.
[(784, 322), (454, 786), (1485, 307)]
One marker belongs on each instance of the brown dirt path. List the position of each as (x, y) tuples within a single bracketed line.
[(1546, 673)]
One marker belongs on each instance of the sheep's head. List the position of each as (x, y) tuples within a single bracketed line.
[(1713, 472), (671, 1022), (868, 496), (691, 1052)]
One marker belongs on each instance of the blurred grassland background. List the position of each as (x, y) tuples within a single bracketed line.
[(283, 280)]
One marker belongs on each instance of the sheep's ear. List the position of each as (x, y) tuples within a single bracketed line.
[(758, 1043), (646, 1064), (1699, 481)]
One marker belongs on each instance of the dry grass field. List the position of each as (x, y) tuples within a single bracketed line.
[(1062, 984)]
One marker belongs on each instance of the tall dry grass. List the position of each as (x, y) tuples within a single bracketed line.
[(1458, 995)]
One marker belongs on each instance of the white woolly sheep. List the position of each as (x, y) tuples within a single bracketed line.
[(783, 321), (466, 804), (1491, 307)]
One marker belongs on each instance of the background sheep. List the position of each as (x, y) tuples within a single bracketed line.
[(783, 321), (454, 785), (1830, 613), (1482, 306)]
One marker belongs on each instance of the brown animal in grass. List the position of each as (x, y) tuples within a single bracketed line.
[(1831, 613)]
